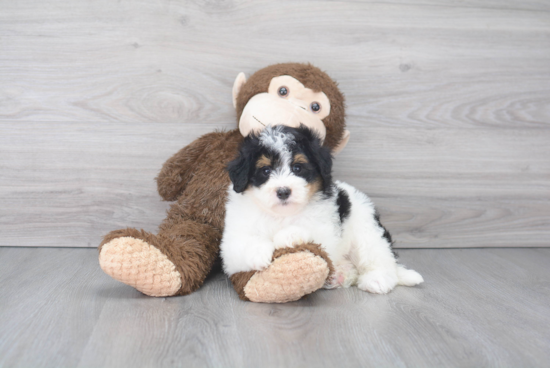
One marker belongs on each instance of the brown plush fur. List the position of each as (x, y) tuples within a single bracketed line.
[(196, 177), (239, 281), (311, 77), (191, 233)]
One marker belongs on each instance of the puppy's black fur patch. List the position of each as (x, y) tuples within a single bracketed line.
[(386, 234), (240, 168), (344, 205), (309, 144)]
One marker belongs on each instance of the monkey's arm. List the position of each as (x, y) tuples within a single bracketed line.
[(179, 169)]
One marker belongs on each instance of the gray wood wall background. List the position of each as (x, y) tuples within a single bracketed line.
[(448, 105)]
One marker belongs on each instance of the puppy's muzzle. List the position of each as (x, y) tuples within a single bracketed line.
[(283, 193)]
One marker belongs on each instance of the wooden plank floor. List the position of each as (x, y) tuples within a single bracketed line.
[(448, 103), (478, 307)]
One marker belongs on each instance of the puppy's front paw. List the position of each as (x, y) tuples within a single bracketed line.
[(378, 281), (290, 237), (258, 259)]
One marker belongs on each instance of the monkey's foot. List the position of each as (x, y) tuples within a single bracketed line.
[(294, 273), (140, 265)]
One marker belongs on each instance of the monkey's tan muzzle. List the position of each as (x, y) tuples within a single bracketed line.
[(265, 109)]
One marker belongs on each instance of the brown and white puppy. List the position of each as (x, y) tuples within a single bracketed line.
[(282, 195)]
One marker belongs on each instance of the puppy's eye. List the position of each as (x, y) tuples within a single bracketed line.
[(315, 107), (283, 91), (266, 170), (297, 168)]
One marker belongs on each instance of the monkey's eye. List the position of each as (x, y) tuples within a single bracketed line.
[(266, 170), (315, 107), (297, 168), (283, 91)]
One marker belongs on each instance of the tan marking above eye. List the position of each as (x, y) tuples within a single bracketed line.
[(300, 159), (263, 161)]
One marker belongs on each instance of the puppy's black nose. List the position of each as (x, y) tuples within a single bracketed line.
[(283, 193)]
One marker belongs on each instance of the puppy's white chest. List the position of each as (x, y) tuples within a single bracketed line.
[(317, 222)]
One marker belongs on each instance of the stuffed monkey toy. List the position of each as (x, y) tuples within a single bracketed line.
[(177, 259)]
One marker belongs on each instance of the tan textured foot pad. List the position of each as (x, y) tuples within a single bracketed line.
[(288, 278), (140, 265)]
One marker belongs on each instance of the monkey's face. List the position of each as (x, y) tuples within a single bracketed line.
[(291, 94), (286, 102)]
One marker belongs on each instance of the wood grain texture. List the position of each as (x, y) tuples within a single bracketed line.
[(81, 180), (478, 307), (448, 103), (174, 61)]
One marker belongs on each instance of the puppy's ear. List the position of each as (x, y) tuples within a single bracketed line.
[(320, 155), (239, 172), (240, 169), (324, 161)]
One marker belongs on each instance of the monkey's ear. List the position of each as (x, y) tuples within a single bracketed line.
[(237, 85), (343, 142), (239, 170)]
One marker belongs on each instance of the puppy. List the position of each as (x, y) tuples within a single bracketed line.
[(282, 194)]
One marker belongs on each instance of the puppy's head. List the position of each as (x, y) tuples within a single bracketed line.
[(282, 168)]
